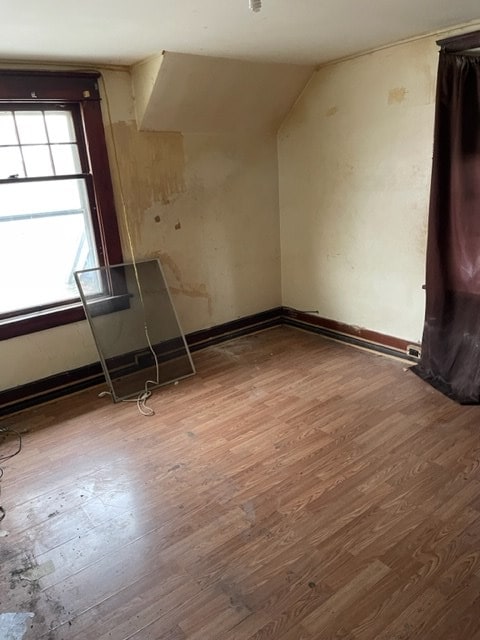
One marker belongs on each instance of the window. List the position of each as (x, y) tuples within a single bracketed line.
[(45, 216), (56, 200)]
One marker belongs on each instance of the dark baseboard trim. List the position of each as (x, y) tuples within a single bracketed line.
[(229, 330), (62, 384), (388, 345), (40, 391)]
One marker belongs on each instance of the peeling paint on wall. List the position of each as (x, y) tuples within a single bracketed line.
[(152, 170)]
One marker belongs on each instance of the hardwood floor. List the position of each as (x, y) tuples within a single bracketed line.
[(294, 489)]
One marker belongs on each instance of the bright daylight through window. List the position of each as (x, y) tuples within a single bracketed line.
[(56, 201), (48, 220)]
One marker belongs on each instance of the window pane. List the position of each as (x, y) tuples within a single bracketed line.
[(11, 163), (45, 235), (31, 127), (65, 159), (41, 197), (37, 161), (60, 126), (8, 134)]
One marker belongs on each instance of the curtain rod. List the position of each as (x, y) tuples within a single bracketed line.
[(463, 42)]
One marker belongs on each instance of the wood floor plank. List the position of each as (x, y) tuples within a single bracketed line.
[(334, 608), (294, 489), (416, 619)]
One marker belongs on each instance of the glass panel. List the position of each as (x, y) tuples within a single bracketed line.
[(66, 159), (37, 161), (40, 197), (60, 126), (8, 135), (45, 235), (31, 127), (137, 309), (11, 163)]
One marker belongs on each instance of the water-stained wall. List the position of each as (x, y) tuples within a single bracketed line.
[(354, 174), (206, 205)]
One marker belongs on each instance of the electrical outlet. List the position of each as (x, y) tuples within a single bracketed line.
[(414, 351)]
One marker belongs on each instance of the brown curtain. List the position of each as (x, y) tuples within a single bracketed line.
[(451, 339)]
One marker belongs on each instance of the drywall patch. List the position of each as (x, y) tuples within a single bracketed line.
[(397, 95), (13, 626), (152, 170)]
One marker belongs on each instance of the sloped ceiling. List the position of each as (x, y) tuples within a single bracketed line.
[(202, 94)]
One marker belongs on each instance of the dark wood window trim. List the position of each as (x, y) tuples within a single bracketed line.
[(81, 89)]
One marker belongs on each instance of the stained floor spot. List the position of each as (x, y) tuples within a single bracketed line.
[(37, 572)]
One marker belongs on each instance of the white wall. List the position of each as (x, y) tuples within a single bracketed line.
[(354, 174), (206, 205)]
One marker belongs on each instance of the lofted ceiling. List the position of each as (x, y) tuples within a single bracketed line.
[(123, 32)]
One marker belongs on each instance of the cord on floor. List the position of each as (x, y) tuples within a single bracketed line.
[(6, 432)]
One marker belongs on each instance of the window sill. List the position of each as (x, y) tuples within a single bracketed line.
[(48, 319)]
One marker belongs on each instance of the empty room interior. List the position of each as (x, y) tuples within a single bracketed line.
[(239, 335)]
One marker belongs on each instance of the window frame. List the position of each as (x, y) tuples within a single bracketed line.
[(80, 91)]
